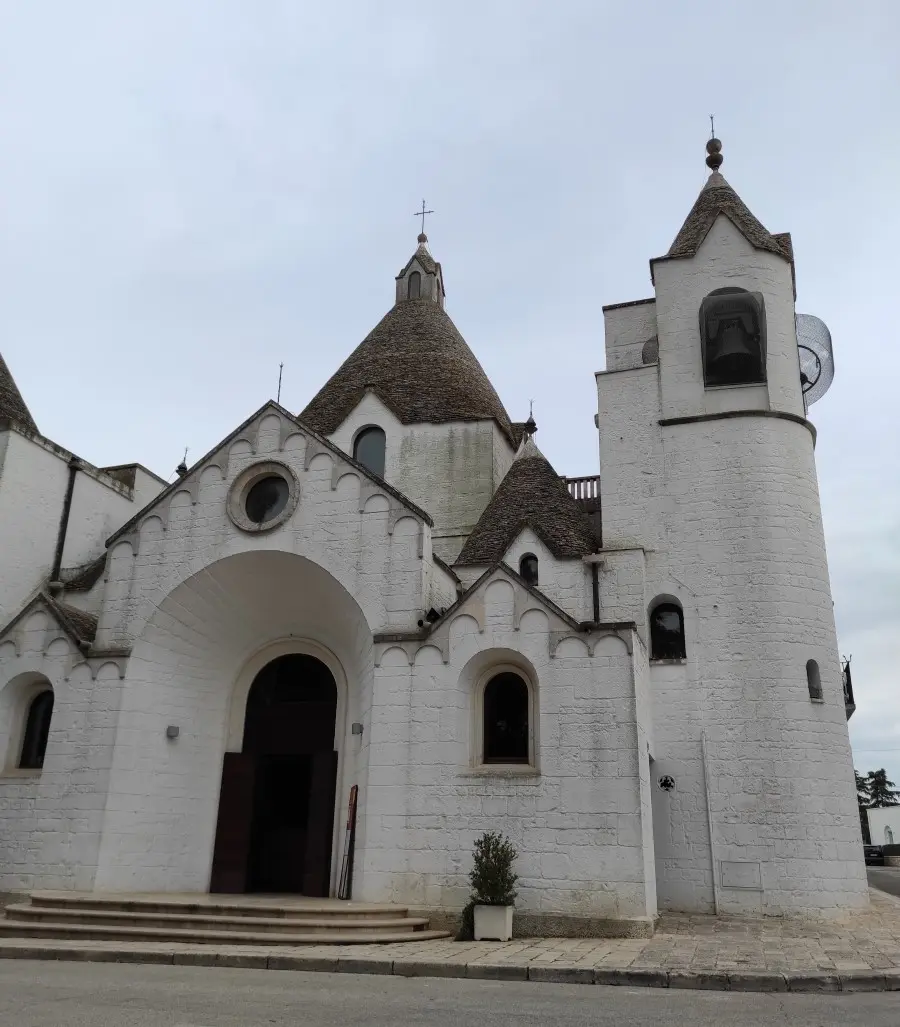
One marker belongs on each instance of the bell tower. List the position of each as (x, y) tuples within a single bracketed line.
[(708, 471)]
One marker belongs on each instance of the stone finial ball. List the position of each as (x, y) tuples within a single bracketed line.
[(422, 237), (714, 145)]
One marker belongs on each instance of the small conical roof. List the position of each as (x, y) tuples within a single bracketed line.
[(12, 405), (417, 363), (531, 495), (717, 197)]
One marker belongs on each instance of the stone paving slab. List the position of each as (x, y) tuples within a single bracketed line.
[(859, 952)]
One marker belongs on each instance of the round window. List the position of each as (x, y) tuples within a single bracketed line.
[(266, 499)]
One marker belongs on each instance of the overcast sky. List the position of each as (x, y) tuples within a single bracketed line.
[(191, 193)]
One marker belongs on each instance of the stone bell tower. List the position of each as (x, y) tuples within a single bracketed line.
[(708, 469)]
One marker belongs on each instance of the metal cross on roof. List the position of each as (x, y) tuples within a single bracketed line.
[(421, 214)]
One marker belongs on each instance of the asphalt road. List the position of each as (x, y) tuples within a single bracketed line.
[(886, 879), (49, 994)]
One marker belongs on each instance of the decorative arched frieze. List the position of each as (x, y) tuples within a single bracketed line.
[(240, 449), (523, 603), (316, 448), (429, 648), (591, 639), (267, 432), (96, 663), (288, 430), (407, 647)]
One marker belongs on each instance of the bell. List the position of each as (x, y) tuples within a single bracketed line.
[(736, 356), (734, 341)]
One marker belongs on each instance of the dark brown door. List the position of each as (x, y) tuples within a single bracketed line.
[(280, 824), (231, 854), (317, 865)]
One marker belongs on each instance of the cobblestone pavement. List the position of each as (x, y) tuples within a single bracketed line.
[(861, 951), (867, 940)]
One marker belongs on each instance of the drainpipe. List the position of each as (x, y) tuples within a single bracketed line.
[(74, 464), (709, 823), (597, 563)]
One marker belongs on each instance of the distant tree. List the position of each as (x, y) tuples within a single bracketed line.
[(862, 800), (881, 791)]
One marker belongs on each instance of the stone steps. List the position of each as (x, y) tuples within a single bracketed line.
[(210, 920), (216, 905)]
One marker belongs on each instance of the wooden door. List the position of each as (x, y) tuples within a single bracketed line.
[(317, 864), (234, 829)]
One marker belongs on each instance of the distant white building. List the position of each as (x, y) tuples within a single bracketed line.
[(884, 825), (395, 590)]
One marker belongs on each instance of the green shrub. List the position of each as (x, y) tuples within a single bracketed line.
[(493, 881)]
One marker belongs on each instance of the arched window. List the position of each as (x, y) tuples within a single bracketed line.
[(667, 632), (37, 729), (813, 680), (888, 835), (506, 720), (528, 568), (414, 287), (368, 449)]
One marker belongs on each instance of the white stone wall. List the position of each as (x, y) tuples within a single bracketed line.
[(566, 582), (576, 816), (50, 819), (34, 475), (628, 326), (32, 486), (450, 470)]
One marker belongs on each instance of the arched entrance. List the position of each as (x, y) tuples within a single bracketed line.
[(276, 806)]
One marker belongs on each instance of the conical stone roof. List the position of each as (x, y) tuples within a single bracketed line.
[(532, 495), (419, 366), (717, 197), (12, 406)]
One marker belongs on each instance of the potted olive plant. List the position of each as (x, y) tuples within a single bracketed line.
[(493, 887)]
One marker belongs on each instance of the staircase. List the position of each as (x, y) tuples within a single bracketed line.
[(245, 920)]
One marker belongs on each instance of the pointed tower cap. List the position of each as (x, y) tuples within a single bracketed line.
[(12, 405), (718, 198)]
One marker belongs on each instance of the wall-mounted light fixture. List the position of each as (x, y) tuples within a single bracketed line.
[(172, 731), (356, 729)]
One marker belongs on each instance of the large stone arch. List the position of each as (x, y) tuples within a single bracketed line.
[(191, 668)]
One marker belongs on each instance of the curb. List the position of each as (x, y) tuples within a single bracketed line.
[(701, 980)]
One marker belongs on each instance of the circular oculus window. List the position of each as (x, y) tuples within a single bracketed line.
[(263, 497), (266, 499)]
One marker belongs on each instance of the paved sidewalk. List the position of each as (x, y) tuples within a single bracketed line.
[(860, 952)]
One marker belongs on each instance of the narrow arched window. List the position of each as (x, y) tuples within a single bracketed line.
[(37, 730), (528, 568), (813, 679), (369, 448), (667, 632), (506, 727), (414, 287), (888, 835)]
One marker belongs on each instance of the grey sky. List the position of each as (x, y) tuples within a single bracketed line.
[(193, 192)]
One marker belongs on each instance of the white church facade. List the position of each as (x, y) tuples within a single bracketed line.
[(634, 675)]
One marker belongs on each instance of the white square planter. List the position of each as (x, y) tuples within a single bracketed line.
[(493, 923)]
